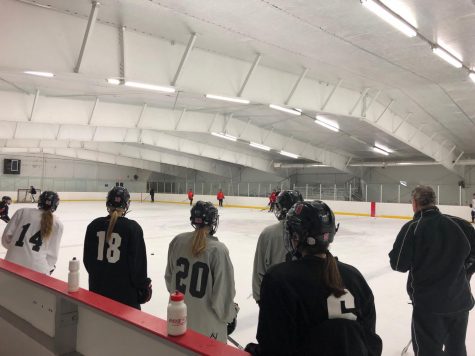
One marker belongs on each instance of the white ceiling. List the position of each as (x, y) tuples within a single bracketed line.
[(334, 39)]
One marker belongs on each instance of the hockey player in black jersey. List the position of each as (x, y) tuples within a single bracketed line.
[(315, 305), (6, 201), (438, 250), (115, 255)]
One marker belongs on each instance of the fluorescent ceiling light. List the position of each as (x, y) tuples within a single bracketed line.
[(403, 183), (329, 124), (40, 74), (389, 17), (224, 135), (287, 110), (149, 87), (447, 56), (472, 76), (226, 98), (319, 165), (289, 154), (258, 145), (404, 163), (379, 150), (113, 81), (384, 148)]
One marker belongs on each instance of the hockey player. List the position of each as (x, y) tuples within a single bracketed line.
[(199, 267), (6, 201), (272, 199), (33, 236), (32, 193), (437, 250), (270, 248), (190, 196), (315, 305), (115, 255), (220, 197)]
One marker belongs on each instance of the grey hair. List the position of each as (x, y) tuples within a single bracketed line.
[(424, 196)]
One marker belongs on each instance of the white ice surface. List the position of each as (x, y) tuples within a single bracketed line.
[(362, 242)]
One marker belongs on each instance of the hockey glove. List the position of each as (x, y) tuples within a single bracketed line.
[(145, 294), (51, 272), (232, 324)]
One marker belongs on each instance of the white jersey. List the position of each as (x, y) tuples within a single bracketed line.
[(207, 282), (25, 246), (270, 250), (473, 204)]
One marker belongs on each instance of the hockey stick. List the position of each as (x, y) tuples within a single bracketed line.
[(404, 350), (235, 343)]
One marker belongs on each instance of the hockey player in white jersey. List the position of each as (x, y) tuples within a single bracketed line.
[(199, 267), (270, 248), (32, 236)]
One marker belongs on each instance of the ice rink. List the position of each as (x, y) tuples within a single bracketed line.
[(362, 242)]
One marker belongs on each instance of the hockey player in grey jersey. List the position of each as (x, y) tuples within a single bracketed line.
[(270, 248), (199, 267)]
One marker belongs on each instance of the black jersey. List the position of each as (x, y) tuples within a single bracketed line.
[(4, 211), (295, 304), (117, 269), (435, 248)]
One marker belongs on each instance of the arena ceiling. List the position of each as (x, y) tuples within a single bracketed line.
[(333, 59)]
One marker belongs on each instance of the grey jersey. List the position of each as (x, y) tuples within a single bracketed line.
[(207, 282), (270, 250)]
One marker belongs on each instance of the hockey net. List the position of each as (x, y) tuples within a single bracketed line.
[(24, 196)]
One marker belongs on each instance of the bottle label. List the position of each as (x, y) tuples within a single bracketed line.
[(177, 322)]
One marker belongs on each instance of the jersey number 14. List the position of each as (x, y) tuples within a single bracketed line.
[(35, 239)]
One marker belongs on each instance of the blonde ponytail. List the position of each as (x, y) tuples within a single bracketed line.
[(46, 224), (114, 215), (199, 240)]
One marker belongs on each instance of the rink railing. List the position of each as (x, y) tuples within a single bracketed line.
[(39, 316)]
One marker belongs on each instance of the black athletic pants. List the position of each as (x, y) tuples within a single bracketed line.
[(473, 216), (220, 202), (432, 333)]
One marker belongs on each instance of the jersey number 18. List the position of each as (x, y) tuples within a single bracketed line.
[(113, 252)]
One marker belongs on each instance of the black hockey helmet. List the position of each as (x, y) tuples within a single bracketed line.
[(284, 201), (118, 198), (204, 214), (48, 200), (6, 199), (310, 224)]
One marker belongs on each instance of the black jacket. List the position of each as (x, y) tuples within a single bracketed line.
[(120, 270), (295, 309), (435, 248), (4, 210)]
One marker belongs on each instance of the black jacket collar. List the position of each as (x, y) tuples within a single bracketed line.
[(427, 211)]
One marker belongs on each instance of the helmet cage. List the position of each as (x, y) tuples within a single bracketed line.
[(284, 201), (204, 214), (48, 200), (118, 198)]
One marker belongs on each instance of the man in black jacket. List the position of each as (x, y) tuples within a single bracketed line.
[(438, 250)]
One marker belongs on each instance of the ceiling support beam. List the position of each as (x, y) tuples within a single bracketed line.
[(142, 112), (337, 85), (363, 94), (122, 54), (384, 111), (33, 107), (184, 58), (404, 121), (365, 108), (93, 110), (296, 85), (89, 29), (249, 74)]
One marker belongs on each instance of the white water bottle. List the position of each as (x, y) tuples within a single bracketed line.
[(176, 314), (73, 276)]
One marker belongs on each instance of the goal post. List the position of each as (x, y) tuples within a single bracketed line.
[(24, 196)]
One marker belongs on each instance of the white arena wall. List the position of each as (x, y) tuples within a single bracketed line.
[(383, 210)]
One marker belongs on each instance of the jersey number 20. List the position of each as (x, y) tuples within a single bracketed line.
[(199, 277), (341, 308), (113, 252)]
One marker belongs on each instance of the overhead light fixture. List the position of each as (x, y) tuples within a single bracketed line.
[(380, 151), (225, 136), (387, 15), (297, 112), (384, 148), (40, 74), (403, 183), (258, 145), (329, 124), (226, 98), (471, 75), (113, 81), (149, 87), (289, 154), (404, 163), (447, 56), (319, 165)]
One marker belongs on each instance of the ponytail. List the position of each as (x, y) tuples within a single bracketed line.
[(46, 224), (114, 215), (199, 240), (332, 277)]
